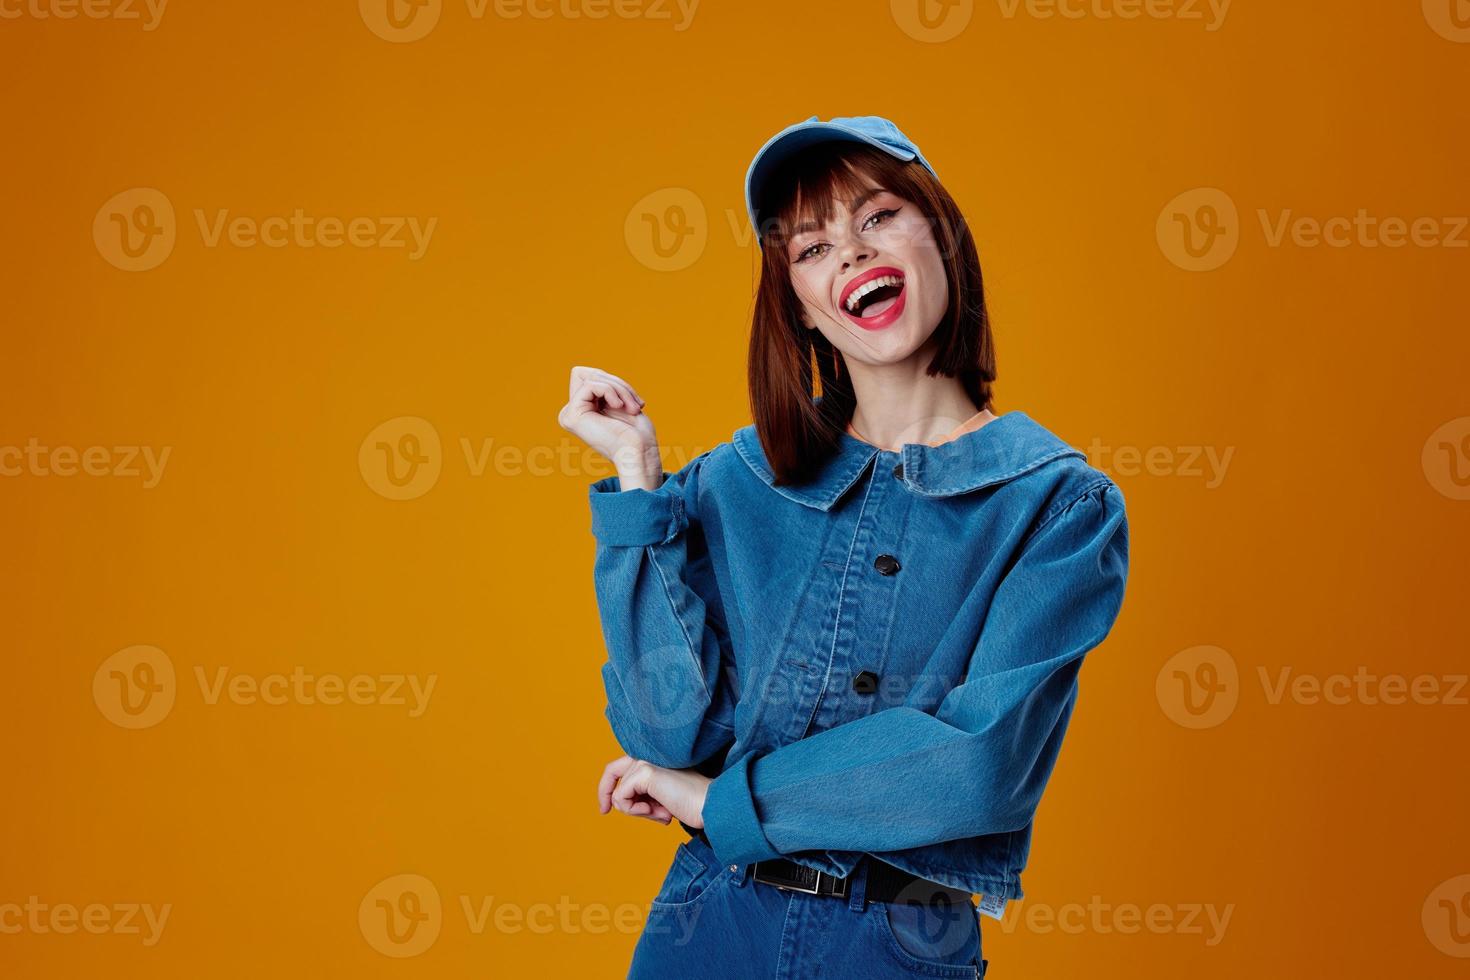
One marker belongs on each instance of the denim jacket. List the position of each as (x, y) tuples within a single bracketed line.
[(880, 660)]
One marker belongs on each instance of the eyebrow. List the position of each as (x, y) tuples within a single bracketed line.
[(857, 202)]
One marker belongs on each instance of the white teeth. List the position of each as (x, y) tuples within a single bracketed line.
[(856, 296)]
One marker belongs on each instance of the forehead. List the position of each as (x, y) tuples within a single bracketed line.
[(813, 207)]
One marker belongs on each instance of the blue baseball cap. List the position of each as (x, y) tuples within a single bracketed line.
[(872, 130)]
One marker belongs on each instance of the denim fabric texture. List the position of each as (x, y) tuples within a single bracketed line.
[(882, 660)]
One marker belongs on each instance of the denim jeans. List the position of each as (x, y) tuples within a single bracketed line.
[(711, 922)]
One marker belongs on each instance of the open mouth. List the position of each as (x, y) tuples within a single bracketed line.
[(874, 299)]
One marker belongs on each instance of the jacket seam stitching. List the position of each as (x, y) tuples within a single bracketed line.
[(688, 641), (1056, 512), (837, 625), (1010, 475)]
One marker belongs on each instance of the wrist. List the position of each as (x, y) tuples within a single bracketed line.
[(639, 469), (699, 803)]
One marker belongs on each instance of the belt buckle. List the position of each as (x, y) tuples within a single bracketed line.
[(815, 889), (841, 881)]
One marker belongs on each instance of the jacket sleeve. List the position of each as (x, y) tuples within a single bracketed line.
[(669, 674), (902, 777)]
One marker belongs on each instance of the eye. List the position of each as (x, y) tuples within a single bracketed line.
[(811, 251), (879, 217)]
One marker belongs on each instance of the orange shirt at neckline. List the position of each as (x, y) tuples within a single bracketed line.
[(968, 425)]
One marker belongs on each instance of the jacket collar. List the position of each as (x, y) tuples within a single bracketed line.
[(998, 451)]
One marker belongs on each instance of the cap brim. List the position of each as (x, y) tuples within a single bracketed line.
[(792, 139)]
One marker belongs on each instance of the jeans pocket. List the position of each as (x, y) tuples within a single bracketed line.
[(939, 939), (689, 877)]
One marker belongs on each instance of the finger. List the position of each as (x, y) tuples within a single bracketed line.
[(595, 388), (631, 402), (629, 786), (581, 375), (582, 399), (631, 390), (651, 809), (610, 774), (587, 392), (622, 794)]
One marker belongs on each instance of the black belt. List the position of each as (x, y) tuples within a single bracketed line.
[(885, 882)]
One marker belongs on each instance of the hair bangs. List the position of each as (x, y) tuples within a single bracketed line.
[(808, 187)]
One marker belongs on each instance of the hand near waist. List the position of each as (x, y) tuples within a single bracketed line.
[(641, 789)]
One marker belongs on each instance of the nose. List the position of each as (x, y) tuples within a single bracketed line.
[(854, 253)]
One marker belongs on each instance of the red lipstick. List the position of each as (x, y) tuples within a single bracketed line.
[(880, 280)]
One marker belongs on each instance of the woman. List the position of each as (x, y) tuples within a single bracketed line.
[(843, 646)]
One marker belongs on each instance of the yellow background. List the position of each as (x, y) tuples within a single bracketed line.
[(1331, 544)]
